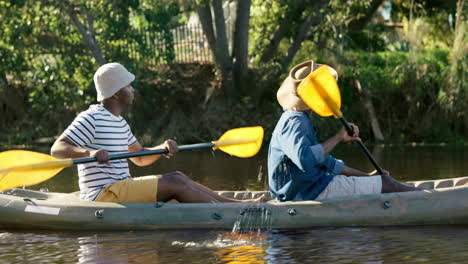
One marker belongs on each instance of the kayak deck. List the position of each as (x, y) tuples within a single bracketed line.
[(424, 185)]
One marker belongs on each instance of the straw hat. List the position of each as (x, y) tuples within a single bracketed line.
[(110, 78), (287, 94)]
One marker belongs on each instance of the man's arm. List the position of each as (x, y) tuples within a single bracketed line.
[(170, 145), (341, 136), (64, 148), (348, 171), (333, 165)]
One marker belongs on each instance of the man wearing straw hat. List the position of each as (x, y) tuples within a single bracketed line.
[(301, 168), (101, 130)]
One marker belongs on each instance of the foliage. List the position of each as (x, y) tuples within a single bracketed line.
[(406, 94), (48, 67), (416, 74), (266, 17), (456, 95)]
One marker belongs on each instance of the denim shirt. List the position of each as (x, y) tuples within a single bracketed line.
[(297, 166)]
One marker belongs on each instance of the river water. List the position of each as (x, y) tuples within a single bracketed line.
[(417, 244)]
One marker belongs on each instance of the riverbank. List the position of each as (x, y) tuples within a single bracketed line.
[(185, 102)]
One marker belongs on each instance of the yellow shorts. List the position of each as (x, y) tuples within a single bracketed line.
[(136, 190)]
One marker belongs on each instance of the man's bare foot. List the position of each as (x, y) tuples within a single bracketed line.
[(260, 199)]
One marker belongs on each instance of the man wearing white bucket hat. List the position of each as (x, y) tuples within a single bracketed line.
[(299, 167), (101, 130)]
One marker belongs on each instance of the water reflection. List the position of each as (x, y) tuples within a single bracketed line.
[(242, 254), (247, 247), (170, 247), (36, 248), (325, 245), (440, 244), (431, 244), (117, 249)]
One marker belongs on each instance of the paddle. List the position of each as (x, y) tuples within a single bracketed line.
[(23, 168), (320, 92)]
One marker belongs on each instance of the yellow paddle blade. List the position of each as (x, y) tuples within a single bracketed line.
[(320, 92), (20, 168), (242, 142)]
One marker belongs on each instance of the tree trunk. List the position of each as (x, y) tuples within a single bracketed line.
[(222, 45), (314, 18), (11, 101), (360, 22), (297, 43), (218, 42), (367, 103), (240, 51), (222, 48), (88, 35), (270, 50), (206, 20)]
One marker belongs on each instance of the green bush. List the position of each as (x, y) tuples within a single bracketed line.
[(408, 91)]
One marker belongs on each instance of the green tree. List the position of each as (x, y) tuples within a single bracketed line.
[(50, 50)]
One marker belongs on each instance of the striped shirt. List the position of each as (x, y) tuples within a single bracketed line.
[(94, 129)]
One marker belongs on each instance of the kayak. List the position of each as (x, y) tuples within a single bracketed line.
[(440, 202)]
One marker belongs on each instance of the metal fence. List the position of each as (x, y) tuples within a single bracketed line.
[(184, 44), (190, 44)]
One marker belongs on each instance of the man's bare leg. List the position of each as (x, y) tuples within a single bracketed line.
[(176, 185), (391, 185)]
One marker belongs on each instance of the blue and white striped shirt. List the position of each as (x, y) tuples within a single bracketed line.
[(94, 129)]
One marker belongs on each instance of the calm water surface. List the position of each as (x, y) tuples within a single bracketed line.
[(419, 244)]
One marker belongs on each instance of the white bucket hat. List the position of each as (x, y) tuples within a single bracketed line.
[(287, 94), (110, 78)]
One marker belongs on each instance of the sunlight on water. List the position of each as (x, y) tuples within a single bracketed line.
[(242, 254), (225, 239), (234, 247)]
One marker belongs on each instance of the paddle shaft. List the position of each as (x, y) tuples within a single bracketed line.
[(145, 153), (349, 129)]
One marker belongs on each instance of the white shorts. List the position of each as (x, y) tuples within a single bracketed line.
[(342, 185)]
